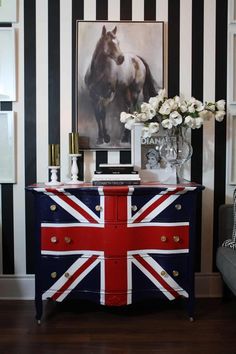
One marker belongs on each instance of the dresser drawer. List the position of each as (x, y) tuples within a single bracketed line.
[(65, 273), (166, 274), (64, 207), (152, 208)]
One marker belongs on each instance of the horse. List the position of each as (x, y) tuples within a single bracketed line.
[(112, 71)]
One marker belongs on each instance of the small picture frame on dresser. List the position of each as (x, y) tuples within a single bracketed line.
[(146, 156)]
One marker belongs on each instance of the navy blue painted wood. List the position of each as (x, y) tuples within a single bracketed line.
[(54, 268)]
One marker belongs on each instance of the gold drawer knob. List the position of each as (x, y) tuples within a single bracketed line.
[(175, 273), (67, 239), (98, 208), (163, 238), (163, 273), (53, 239), (53, 275), (134, 207), (67, 275), (178, 206), (176, 238), (53, 207)]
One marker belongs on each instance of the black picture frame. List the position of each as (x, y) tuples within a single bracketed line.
[(144, 41)]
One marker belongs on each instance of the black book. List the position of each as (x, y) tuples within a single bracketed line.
[(116, 169), (115, 183)]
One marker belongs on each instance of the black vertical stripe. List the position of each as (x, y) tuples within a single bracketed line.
[(220, 128), (149, 10), (125, 15), (101, 9), (7, 218), (125, 156), (125, 10), (197, 91), (30, 123), (54, 71), (101, 14), (7, 229), (77, 14), (173, 47)]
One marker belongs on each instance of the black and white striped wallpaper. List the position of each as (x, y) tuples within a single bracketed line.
[(195, 57)]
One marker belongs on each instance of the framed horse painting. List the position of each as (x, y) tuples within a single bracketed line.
[(118, 66)]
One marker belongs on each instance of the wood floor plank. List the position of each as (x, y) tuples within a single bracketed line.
[(86, 328)]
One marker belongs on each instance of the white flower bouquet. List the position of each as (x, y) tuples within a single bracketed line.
[(173, 112)]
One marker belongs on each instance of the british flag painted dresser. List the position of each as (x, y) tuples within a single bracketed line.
[(115, 245)]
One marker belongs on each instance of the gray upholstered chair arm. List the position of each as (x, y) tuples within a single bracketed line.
[(225, 222)]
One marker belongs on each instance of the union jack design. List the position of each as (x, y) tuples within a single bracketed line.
[(130, 245)]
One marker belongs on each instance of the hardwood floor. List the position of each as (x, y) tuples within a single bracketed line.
[(145, 328)]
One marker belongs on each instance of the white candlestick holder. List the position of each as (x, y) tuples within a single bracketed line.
[(53, 178), (74, 169)]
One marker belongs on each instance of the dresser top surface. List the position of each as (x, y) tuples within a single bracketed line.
[(117, 189)]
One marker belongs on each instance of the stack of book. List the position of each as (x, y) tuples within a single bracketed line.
[(109, 174)]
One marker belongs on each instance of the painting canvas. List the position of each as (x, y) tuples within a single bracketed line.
[(118, 66)]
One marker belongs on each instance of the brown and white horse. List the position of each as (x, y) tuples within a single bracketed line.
[(111, 70)]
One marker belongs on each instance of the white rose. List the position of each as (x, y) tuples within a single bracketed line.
[(124, 117), (146, 132), (199, 106), (173, 105), (219, 116), (177, 99), (162, 94), (176, 118), (165, 109), (153, 127), (189, 121), (167, 123), (220, 105), (183, 108), (211, 107), (154, 102), (130, 123), (191, 108)]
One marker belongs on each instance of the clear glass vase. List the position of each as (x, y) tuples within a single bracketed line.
[(176, 149)]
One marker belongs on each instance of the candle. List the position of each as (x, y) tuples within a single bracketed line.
[(73, 143), (54, 155)]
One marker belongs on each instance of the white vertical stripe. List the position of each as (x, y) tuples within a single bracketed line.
[(186, 61), (90, 10), (162, 15), (89, 165), (137, 10), (113, 10), (65, 85), (18, 189), (113, 157), (208, 136), (162, 10), (185, 47), (42, 89)]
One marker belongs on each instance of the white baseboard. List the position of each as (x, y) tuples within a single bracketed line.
[(17, 287), (21, 287)]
